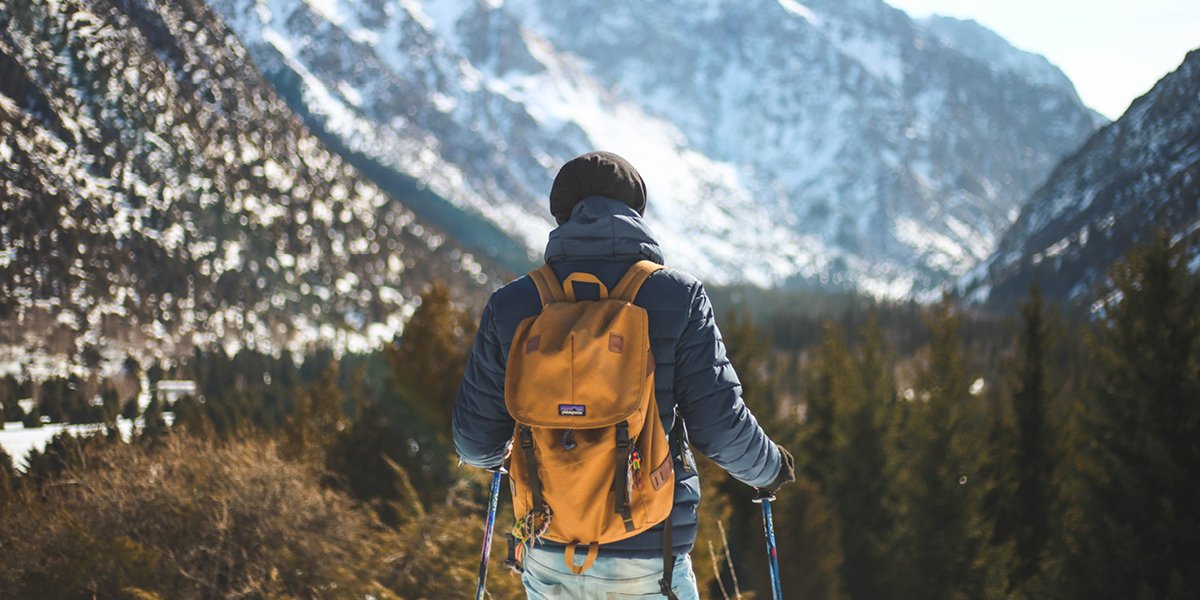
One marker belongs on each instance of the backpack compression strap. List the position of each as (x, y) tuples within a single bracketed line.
[(535, 484), (620, 483)]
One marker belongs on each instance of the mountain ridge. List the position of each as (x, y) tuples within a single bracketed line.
[(871, 123), (1138, 174)]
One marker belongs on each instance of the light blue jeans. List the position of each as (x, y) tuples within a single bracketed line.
[(609, 578)]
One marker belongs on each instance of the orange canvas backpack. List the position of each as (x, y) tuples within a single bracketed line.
[(591, 463)]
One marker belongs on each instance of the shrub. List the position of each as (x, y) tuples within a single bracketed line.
[(189, 520)]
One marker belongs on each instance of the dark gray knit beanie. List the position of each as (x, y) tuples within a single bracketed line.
[(596, 174)]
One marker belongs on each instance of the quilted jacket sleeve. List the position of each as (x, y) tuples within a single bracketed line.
[(482, 425), (709, 399)]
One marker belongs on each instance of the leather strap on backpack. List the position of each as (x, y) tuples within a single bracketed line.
[(621, 482), (535, 484), (569, 557)]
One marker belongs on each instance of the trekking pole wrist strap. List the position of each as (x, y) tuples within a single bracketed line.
[(665, 584)]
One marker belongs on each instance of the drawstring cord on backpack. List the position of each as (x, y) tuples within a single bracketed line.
[(527, 532)]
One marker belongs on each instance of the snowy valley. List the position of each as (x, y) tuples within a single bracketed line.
[(829, 144)]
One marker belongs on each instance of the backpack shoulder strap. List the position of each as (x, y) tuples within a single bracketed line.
[(547, 284), (629, 285)]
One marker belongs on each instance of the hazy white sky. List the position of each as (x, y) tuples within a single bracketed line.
[(1113, 50)]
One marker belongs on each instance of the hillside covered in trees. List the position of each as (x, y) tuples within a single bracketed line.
[(156, 192), (942, 455)]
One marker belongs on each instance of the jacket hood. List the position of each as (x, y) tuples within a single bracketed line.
[(603, 229)]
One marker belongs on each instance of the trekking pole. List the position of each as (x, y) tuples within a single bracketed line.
[(493, 501), (764, 498)]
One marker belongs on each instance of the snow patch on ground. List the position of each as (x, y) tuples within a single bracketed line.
[(799, 10), (327, 9), (17, 440)]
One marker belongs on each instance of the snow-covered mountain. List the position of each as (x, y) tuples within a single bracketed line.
[(156, 193), (976, 41), (1140, 173), (829, 143)]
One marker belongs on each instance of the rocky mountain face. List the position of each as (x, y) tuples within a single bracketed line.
[(156, 193), (831, 143), (980, 43), (1139, 174)]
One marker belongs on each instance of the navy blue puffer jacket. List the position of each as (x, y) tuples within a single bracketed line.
[(605, 237)]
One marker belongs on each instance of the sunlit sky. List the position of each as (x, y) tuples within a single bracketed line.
[(1113, 50)]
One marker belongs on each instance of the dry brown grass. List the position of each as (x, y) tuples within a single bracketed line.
[(189, 520), (195, 520)]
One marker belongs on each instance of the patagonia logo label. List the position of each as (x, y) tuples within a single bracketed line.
[(572, 410)]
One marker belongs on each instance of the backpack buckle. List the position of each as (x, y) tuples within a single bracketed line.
[(623, 435)]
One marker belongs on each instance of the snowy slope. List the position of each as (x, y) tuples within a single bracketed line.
[(974, 40), (832, 143), (1140, 173), (156, 194)]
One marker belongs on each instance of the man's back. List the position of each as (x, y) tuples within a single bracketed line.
[(604, 237)]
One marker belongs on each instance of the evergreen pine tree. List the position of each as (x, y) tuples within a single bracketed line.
[(284, 374), (748, 350), (316, 420), (33, 418), (8, 399), (942, 542), (154, 425), (829, 380), (432, 353), (807, 531), (365, 455), (1140, 537), (862, 485), (7, 477), (131, 410), (156, 372), (50, 403), (1030, 496), (112, 403)]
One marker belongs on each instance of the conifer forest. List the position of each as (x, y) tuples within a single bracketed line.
[(245, 246), (941, 453)]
